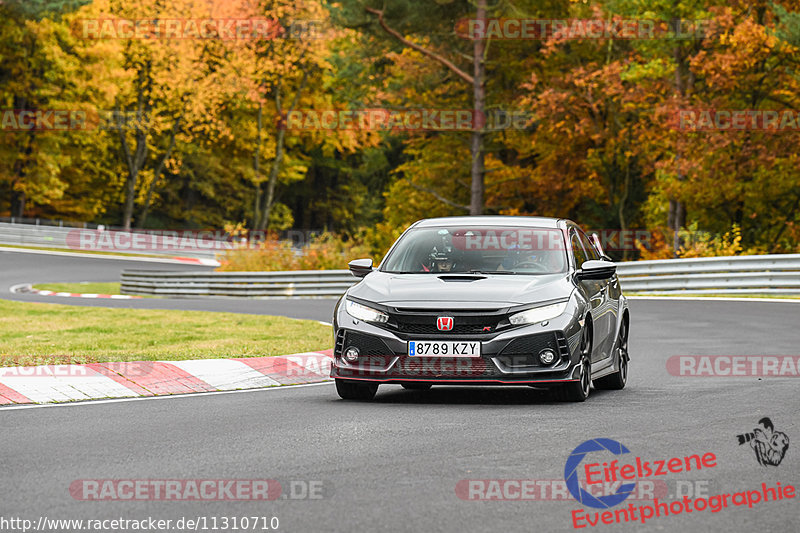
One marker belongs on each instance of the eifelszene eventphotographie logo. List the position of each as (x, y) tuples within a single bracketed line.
[(571, 474), (622, 473)]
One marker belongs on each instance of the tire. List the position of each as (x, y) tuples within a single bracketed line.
[(353, 390), (416, 386), (618, 379), (578, 391)]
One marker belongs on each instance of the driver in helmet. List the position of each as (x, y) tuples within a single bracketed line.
[(441, 262), (442, 255)]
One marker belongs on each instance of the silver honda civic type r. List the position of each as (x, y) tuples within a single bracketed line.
[(490, 300)]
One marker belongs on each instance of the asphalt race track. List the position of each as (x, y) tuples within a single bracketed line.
[(16, 268), (394, 464)]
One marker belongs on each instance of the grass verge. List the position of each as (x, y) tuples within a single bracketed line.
[(85, 287), (34, 332)]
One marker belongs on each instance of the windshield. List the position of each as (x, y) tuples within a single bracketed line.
[(461, 250)]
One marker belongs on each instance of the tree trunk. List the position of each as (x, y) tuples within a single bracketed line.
[(677, 209), (269, 198), (130, 191), (623, 225), (257, 167), (680, 221), (18, 201), (18, 197), (134, 162), (159, 169), (479, 99)]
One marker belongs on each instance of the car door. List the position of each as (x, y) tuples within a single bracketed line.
[(607, 315), (594, 291)]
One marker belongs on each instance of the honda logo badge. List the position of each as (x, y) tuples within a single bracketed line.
[(444, 323)]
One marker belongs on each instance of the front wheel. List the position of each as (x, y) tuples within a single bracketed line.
[(353, 390), (578, 391)]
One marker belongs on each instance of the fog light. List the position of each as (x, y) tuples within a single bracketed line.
[(547, 356), (351, 354)]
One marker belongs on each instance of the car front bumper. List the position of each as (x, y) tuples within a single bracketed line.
[(507, 358)]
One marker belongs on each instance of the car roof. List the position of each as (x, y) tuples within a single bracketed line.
[(490, 220)]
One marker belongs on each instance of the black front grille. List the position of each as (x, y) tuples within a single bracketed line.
[(451, 367), (458, 329), (367, 344), (476, 322), (524, 351)]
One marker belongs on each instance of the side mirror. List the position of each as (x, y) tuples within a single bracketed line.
[(594, 269), (360, 267)]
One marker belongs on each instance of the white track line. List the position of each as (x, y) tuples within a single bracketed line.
[(44, 384), (18, 287), (168, 397), (26, 288), (313, 362), (202, 261)]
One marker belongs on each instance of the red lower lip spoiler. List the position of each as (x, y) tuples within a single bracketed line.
[(446, 381)]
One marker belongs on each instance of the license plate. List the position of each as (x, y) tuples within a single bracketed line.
[(444, 348)]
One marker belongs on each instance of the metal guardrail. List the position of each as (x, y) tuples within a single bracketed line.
[(757, 274), (746, 274), (29, 221), (301, 283), (68, 238)]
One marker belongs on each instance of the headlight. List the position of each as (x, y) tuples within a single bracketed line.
[(362, 312), (538, 314)]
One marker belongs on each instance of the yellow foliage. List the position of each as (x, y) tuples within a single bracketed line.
[(325, 252)]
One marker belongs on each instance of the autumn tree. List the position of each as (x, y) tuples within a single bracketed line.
[(44, 68)]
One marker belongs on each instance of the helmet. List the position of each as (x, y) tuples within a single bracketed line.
[(441, 262)]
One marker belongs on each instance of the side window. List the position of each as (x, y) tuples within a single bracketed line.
[(577, 250), (591, 251)]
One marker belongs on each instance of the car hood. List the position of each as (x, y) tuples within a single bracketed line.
[(432, 290)]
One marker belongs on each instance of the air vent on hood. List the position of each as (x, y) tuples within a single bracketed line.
[(461, 277)]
